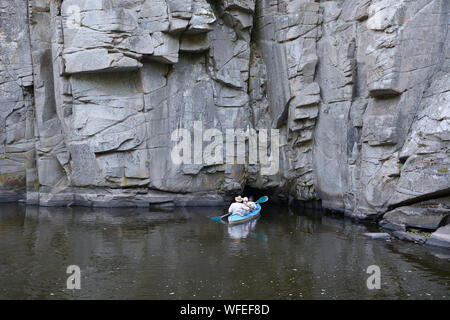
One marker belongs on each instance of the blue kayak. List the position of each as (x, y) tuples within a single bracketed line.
[(236, 219)]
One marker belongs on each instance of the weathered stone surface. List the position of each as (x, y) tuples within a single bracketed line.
[(407, 236), (359, 91), (203, 18), (383, 105), (441, 237), (410, 217), (385, 20), (98, 60), (16, 102), (194, 43)]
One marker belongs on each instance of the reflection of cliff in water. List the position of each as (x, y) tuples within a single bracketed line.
[(182, 254), (107, 216)]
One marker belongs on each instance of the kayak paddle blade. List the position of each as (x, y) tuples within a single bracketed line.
[(216, 218), (262, 199)]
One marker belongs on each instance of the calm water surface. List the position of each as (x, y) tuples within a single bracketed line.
[(182, 254)]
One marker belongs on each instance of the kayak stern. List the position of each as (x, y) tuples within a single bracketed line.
[(237, 219)]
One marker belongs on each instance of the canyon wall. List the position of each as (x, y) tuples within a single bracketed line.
[(92, 91)]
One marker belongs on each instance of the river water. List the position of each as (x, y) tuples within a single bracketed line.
[(182, 254)]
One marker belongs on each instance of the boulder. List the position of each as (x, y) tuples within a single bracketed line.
[(441, 237), (404, 218), (407, 236)]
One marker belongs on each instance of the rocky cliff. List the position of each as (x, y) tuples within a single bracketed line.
[(92, 90)]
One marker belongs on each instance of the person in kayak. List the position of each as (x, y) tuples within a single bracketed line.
[(238, 207), (250, 204)]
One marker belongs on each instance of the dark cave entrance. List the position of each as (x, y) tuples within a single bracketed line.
[(254, 192), (276, 196)]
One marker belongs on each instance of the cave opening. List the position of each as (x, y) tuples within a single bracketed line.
[(279, 198), (275, 195), (254, 192)]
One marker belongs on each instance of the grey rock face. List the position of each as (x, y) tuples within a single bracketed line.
[(406, 236), (367, 150), (91, 91), (403, 218), (16, 102), (440, 238)]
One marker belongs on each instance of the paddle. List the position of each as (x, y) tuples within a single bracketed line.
[(260, 200)]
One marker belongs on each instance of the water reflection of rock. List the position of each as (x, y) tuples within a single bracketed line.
[(141, 253), (106, 216), (241, 231)]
